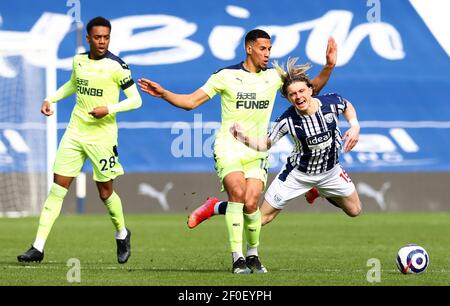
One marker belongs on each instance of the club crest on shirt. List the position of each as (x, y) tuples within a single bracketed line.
[(277, 198), (329, 118)]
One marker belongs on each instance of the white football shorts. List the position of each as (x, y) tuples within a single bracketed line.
[(333, 183)]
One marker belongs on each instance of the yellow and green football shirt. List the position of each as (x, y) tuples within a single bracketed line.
[(246, 98), (97, 83)]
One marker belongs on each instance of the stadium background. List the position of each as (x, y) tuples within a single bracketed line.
[(392, 64)]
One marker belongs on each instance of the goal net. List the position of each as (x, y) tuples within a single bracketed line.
[(27, 138)]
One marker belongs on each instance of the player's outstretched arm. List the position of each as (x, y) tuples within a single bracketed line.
[(184, 101), (331, 54), (352, 134), (262, 144)]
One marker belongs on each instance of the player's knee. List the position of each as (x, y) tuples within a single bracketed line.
[(104, 194), (251, 207), (62, 181), (237, 194), (251, 203), (355, 210)]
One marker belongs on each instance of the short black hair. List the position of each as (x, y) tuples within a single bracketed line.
[(253, 35), (98, 21)]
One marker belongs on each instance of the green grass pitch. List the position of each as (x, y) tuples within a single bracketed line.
[(297, 249)]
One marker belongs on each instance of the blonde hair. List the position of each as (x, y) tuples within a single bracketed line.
[(292, 73)]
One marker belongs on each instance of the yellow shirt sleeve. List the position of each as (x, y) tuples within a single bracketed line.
[(68, 89), (214, 85)]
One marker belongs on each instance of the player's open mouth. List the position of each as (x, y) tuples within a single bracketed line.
[(300, 102)]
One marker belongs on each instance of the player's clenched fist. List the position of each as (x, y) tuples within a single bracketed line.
[(99, 112), (46, 108)]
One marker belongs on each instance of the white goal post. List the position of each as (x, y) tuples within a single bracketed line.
[(28, 139)]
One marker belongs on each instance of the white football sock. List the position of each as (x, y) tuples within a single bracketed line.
[(236, 256), (39, 244), (252, 251), (122, 234)]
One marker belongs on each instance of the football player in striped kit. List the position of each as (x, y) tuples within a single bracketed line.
[(313, 167)]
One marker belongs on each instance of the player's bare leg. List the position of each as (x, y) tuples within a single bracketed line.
[(268, 213), (351, 205), (312, 194)]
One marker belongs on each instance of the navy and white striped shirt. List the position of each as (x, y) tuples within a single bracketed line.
[(317, 139)]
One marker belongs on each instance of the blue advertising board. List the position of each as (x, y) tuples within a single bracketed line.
[(393, 65)]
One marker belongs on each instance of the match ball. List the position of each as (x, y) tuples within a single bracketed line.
[(412, 259)]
